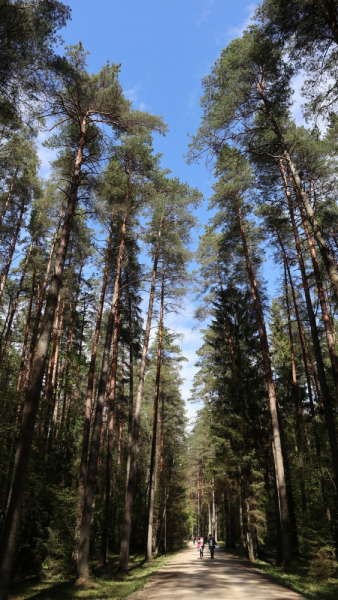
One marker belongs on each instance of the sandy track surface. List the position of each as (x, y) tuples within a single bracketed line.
[(187, 576)]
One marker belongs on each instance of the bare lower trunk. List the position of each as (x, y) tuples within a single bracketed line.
[(279, 465), (154, 436), (84, 542), (131, 384), (89, 398), (41, 296), (297, 408), (109, 465), (18, 484), (125, 542)]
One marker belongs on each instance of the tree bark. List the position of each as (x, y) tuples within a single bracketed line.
[(11, 252), (154, 436), (112, 396), (279, 465), (131, 382), (84, 541), (326, 319), (9, 195), (125, 542), (25, 341), (11, 523), (15, 303), (296, 401), (41, 295), (89, 398), (328, 412)]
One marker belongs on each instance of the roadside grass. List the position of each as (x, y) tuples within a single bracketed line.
[(300, 580), (105, 582)]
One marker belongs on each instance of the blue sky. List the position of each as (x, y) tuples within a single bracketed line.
[(165, 47)]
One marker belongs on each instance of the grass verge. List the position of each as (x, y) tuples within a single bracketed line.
[(300, 580), (105, 582)]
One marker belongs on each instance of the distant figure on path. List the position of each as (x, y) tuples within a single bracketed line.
[(193, 539), (212, 544), (200, 545)]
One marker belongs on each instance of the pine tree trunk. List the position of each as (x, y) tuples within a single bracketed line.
[(131, 382), (327, 259), (89, 398), (11, 252), (125, 542), (119, 440), (227, 322), (112, 396), (25, 342), (15, 303), (154, 436), (326, 319), (41, 295), (51, 373), (279, 466), (9, 195), (11, 523), (84, 541), (328, 412), (297, 408)]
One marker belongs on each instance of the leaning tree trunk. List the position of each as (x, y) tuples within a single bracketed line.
[(327, 259), (89, 398), (154, 437), (125, 542), (328, 412), (279, 465), (326, 319), (84, 541), (11, 523)]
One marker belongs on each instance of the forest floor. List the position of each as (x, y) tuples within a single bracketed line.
[(181, 576), (105, 582), (301, 579)]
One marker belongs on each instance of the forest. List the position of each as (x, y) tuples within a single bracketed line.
[(97, 455)]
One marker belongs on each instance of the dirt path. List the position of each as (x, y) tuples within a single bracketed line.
[(225, 577)]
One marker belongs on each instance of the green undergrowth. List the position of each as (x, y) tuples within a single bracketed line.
[(300, 580), (105, 582)]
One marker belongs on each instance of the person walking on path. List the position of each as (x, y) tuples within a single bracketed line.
[(212, 544), (200, 546)]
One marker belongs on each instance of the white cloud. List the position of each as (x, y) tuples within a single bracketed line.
[(223, 38), (298, 99), (203, 17), (46, 155), (132, 94)]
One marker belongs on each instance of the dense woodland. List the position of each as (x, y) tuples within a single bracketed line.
[(96, 454)]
